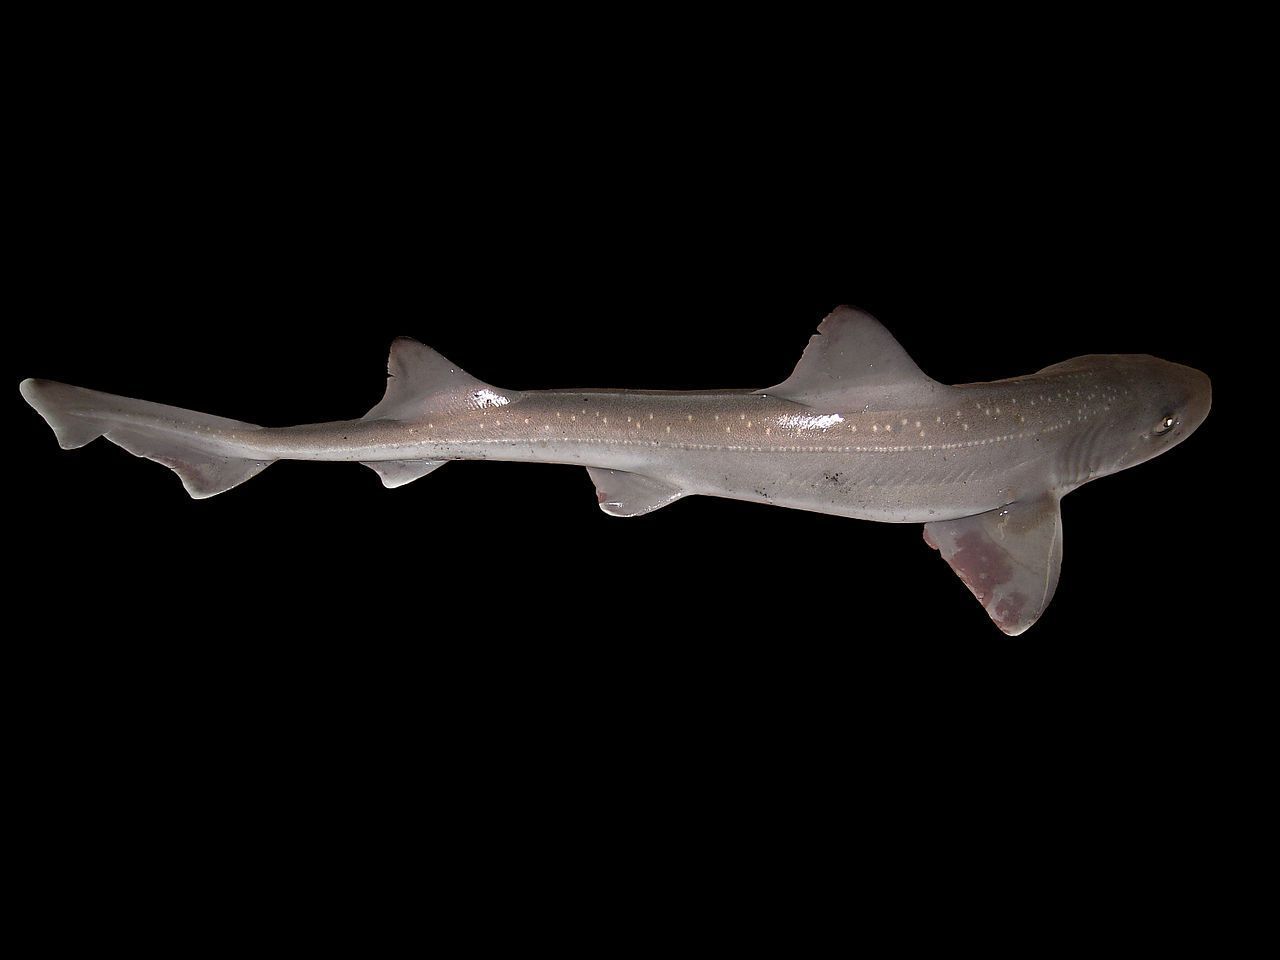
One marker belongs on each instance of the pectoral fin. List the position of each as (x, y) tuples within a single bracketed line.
[(623, 494), (1008, 558)]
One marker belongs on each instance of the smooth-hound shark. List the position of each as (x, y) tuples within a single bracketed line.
[(857, 430)]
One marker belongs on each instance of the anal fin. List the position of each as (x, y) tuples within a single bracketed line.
[(396, 473), (1008, 558), (623, 494)]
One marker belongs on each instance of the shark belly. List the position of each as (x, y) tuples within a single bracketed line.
[(905, 487)]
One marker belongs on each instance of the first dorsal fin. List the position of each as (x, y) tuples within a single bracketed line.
[(420, 381), (854, 362)]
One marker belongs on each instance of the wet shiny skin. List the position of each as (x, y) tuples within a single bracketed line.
[(982, 446), (857, 430)]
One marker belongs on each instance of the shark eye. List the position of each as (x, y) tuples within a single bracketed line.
[(1166, 424)]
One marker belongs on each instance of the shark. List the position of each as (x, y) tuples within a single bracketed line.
[(857, 430)]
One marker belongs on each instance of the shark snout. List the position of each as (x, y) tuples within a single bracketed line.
[(1198, 393)]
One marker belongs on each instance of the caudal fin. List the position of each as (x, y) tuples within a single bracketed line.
[(167, 435)]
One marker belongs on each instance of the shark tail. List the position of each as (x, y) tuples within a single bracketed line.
[(193, 445)]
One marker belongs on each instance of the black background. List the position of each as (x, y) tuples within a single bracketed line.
[(272, 298), (241, 226), (518, 556)]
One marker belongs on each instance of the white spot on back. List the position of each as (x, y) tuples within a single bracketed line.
[(802, 421)]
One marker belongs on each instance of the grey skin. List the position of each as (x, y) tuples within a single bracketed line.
[(856, 431)]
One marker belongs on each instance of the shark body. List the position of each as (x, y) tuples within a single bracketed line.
[(856, 431)]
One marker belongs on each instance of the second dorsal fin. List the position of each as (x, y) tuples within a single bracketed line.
[(853, 361), (421, 381)]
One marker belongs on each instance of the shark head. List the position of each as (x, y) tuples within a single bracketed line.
[(1155, 404), (1169, 401)]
